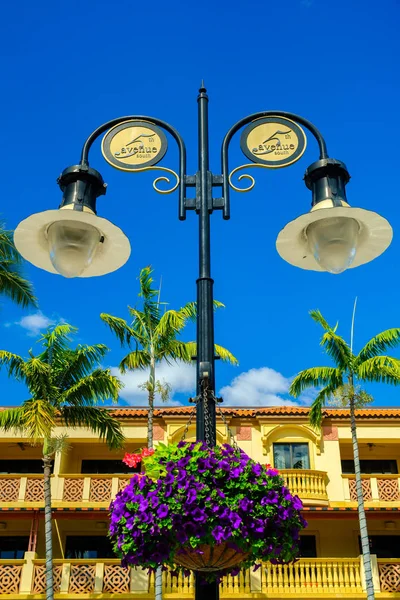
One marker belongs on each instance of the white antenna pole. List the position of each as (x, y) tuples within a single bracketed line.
[(352, 325)]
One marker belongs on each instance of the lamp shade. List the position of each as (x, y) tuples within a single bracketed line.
[(360, 234), (108, 247)]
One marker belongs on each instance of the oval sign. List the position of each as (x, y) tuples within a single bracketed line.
[(273, 141), (133, 145)]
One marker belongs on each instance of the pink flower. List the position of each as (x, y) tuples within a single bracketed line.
[(147, 452), (132, 460)]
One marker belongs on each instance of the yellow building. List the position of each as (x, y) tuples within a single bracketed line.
[(316, 465)]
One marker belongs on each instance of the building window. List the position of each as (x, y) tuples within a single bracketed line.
[(384, 546), (88, 546), (13, 547), (370, 467), (11, 467), (291, 456), (107, 467), (308, 546)]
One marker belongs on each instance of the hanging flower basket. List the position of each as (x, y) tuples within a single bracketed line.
[(206, 509), (209, 558)]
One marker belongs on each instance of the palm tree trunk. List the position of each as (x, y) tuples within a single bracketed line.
[(361, 511), (48, 525), (152, 385)]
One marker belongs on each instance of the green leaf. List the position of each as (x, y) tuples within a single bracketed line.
[(138, 359), (335, 346), (225, 355), (170, 324), (315, 377), (13, 363), (316, 416), (98, 386), (119, 327), (12, 283), (98, 420), (380, 369), (381, 342)]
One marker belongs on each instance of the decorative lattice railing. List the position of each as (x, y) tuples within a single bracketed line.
[(382, 488), (389, 574), (10, 576), (21, 488)]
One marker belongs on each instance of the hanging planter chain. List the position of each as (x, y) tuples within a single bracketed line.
[(185, 431), (217, 401)]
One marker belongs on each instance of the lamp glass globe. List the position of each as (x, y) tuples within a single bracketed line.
[(333, 242), (72, 246)]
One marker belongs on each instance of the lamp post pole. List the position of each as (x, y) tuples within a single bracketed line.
[(75, 242), (205, 409)]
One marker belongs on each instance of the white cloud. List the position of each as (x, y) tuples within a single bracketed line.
[(180, 376), (33, 324), (261, 387)]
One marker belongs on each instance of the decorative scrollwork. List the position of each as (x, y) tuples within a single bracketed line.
[(162, 178), (244, 176)]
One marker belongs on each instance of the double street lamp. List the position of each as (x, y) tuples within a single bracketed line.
[(75, 242)]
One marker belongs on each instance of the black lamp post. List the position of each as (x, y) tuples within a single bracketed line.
[(75, 242)]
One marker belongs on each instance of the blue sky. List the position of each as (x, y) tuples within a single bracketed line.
[(68, 67)]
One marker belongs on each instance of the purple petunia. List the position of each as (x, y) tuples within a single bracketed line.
[(162, 511), (205, 494)]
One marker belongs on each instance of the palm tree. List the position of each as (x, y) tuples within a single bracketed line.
[(153, 332), (369, 365), (65, 385), (12, 284)]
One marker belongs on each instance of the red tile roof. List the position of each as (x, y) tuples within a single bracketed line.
[(330, 413)]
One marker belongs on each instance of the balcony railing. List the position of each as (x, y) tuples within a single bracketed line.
[(306, 483), (376, 488), (107, 578), (10, 576), (68, 489), (65, 488), (389, 574)]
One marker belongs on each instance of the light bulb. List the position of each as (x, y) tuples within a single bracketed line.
[(333, 242), (72, 246)]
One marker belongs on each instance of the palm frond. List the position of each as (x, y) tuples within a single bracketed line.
[(98, 386), (38, 379), (78, 363), (98, 420), (141, 327), (56, 341), (13, 363), (335, 346), (137, 359), (151, 307), (145, 280), (8, 251), (315, 416), (381, 342), (37, 418), (380, 369), (170, 324), (225, 355), (316, 316), (15, 286), (119, 327), (190, 309), (315, 377), (12, 418), (174, 350), (338, 349)]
